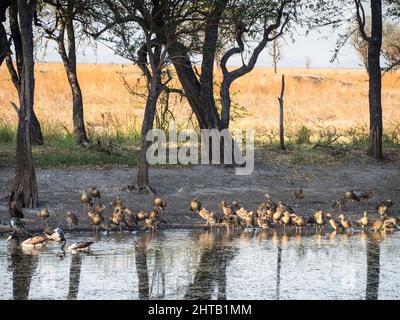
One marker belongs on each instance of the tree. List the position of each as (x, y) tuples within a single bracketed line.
[(60, 18), (374, 71), (16, 72), (307, 62), (390, 44), (333, 12), (269, 18), (137, 30), (24, 190), (276, 53)]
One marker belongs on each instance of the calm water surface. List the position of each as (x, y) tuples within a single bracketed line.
[(187, 264)]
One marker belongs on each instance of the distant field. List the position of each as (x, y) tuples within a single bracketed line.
[(318, 102)]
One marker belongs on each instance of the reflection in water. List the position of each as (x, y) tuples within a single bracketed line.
[(211, 271), (74, 276), (278, 268), (194, 264), (141, 266), (23, 265), (373, 269)]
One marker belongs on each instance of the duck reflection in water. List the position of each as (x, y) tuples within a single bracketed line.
[(216, 252)]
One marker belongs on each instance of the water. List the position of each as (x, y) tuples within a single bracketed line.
[(191, 264)]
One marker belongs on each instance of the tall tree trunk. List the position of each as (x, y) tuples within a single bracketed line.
[(375, 80), (200, 91), (17, 74), (147, 125), (24, 189), (69, 61)]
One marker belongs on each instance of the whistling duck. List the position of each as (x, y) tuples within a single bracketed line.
[(248, 220), (344, 223), (388, 203), (235, 206), (152, 221), (95, 220), (299, 222), (350, 195), (382, 210), (285, 219), (204, 213), (212, 219), (141, 216), (263, 223), (332, 222), (276, 217), (127, 218), (319, 218), (80, 246), (262, 210), (364, 221), (366, 196), (86, 200), (117, 202), (269, 201), (116, 218), (299, 194), (36, 242), (285, 207), (99, 208), (388, 225), (231, 221), (159, 205), (95, 193), (226, 209), (378, 224), (43, 215), (71, 218), (243, 214), (195, 205)]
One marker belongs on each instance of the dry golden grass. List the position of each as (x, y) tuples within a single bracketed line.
[(340, 99)]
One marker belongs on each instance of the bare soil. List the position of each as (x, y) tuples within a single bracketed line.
[(60, 189)]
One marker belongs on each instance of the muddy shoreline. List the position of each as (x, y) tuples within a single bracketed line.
[(60, 189)]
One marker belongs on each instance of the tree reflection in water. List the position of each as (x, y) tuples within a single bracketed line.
[(373, 266), (74, 276), (23, 265), (217, 251)]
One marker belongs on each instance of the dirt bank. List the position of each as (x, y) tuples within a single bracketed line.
[(60, 189)]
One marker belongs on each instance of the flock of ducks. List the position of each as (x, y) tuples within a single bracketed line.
[(121, 217), (269, 214)]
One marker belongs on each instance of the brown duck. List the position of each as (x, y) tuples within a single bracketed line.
[(95, 193), (43, 215), (86, 200), (364, 221), (195, 205), (71, 218), (95, 219)]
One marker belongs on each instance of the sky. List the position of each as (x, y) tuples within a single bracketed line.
[(317, 45)]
